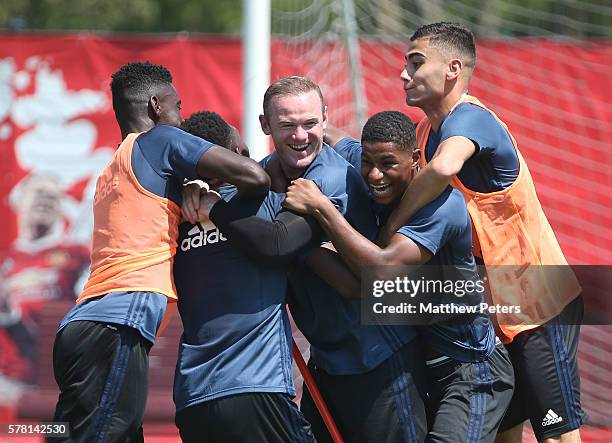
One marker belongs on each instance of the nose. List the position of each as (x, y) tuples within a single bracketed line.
[(300, 133), (404, 75), (375, 174)]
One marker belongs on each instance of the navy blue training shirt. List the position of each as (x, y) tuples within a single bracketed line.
[(237, 335), (339, 343), (494, 166), (161, 159), (442, 227)]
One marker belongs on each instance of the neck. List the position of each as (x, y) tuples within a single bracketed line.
[(291, 174), (135, 124), (438, 112)]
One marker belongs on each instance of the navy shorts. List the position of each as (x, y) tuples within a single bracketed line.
[(102, 372), (244, 418), (467, 401), (547, 379), (385, 404)]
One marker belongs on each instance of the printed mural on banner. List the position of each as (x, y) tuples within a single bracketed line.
[(54, 162)]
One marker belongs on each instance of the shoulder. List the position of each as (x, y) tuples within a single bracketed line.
[(469, 117), (448, 208), (264, 161), (172, 137), (329, 168), (349, 149)]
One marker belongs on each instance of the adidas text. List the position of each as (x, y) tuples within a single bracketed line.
[(551, 418), (202, 235)]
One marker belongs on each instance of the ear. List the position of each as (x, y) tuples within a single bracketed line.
[(454, 69), (154, 107), (416, 157), (265, 127), (324, 122)]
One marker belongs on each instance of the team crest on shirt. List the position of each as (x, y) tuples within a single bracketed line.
[(202, 234)]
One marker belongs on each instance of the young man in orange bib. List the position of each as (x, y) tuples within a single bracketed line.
[(465, 144), (100, 356)]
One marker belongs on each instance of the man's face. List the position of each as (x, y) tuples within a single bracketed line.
[(40, 205), (387, 170), (170, 107), (424, 74), (236, 143), (296, 124)]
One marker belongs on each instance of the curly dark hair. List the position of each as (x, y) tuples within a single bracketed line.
[(209, 126), (453, 38), (137, 81), (390, 127)]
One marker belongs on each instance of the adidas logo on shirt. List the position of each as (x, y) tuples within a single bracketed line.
[(202, 234), (551, 418)]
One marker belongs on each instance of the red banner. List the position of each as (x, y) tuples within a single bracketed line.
[(57, 131)]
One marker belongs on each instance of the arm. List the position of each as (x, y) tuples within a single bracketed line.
[(429, 183), (272, 242), (328, 265), (240, 171), (356, 250)]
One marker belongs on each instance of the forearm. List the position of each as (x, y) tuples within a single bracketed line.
[(272, 242), (333, 270), (355, 249), (424, 188), (250, 180), (244, 173)]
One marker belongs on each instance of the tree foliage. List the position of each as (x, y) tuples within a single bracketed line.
[(576, 18)]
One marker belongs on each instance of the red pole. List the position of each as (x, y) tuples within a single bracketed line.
[(316, 395)]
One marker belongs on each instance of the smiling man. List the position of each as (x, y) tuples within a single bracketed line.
[(465, 144), (469, 377), (370, 376)]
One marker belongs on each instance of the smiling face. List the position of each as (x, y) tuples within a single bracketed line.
[(424, 74), (387, 170), (296, 123)]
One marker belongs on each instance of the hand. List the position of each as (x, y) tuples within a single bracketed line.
[(304, 196), (207, 201), (192, 193)]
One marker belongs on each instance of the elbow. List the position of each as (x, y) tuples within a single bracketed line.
[(256, 180), (446, 170)]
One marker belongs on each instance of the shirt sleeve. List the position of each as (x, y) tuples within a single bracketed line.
[(434, 225), (495, 164), (258, 229), (185, 152), (164, 156)]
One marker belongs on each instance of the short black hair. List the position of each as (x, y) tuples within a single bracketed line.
[(138, 81), (292, 85), (390, 127), (453, 38), (209, 126)]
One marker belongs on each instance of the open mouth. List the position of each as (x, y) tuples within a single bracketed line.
[(380, 190), (299, 148)]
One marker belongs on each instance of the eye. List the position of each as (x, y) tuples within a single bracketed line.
[(388, 165), (416, 65)]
